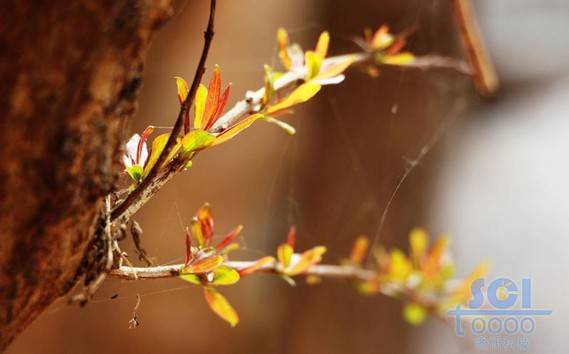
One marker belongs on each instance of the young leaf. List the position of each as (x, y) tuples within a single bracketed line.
[(182, 87), (291, 236), (224, 275), (196, 229), (335, 69), (284, 254), (322, 45), (419, 242), (230, 237), (307, 259), (219, 304), (236, 129), (214, 92), (313, 64), (135, 172), (158, 145), (220, 107), (302, 94), (205, 219), (269, 84), (359, 250), (199, 106), (400, 59), (203, 265), (191, 278), (196, 140), (260, 264), (188, 254), (382, 39), (282, 38), (399, 266)]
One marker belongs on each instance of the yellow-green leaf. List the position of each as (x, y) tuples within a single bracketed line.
[(414, 314), (313, 63), (322, 45), (307, 259), (135, 172), (335, 69), (224, 275), (419, 241), (302, 94), (158, 145), (182, 87), (199, 106), (203, 265), (399, 266), (236, 129), (401, 59), (219, 304), (191, 278), (284, 254), (196, 140), (269, 84)]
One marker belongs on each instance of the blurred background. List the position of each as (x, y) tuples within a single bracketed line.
[(495, 179)]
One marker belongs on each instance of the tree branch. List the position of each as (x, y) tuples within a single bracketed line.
[(140, 192), (168, 271)]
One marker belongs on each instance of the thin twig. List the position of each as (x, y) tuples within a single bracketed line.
[(139, 192), (168, 271), (485, 78)]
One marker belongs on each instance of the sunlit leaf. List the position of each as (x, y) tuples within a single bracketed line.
[(196, 140), (269, 84), (399, 266), (192, 278), (284, 254), (158, 145), (135, 172), (401, 59), (282, 38), (382, 39), (196, 229), (199, 106), (230, 237), (414, 314), (224, 275), (205, 219), (419, 241), (220, 107), (291, 236), (432, 265), (307, 259), (259, 264), (313, 63), (359, 250), (182, 87), (236, 129), (322, 45), (335, 69), (203, 265), (219, 304), (214, 92), (302, 94)]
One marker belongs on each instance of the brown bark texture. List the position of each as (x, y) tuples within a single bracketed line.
[(70, 73)]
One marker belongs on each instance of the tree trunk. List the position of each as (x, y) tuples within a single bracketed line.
[(70, 73)]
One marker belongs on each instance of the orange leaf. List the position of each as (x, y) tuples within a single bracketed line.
[(432, 263), (261, 263), (359, 250), (214, 91), (203, 265), (282, 38), (291, 236), (381, 39), (222, 102), (219, 304), (205, 219), (229, 238)]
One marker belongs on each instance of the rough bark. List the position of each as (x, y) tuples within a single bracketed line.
[(70, 75)]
